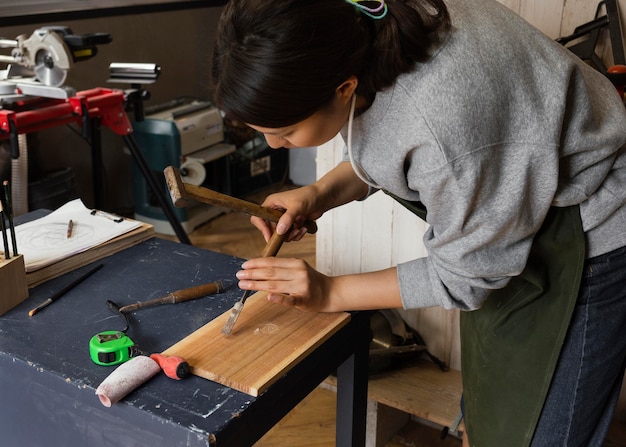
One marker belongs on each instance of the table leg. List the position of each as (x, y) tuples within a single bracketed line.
[(97, 165), (352, 376), (157, 190)]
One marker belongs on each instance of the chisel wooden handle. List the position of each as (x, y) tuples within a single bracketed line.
[(271, 249), (178, 296), (273, 245), (182, 193)]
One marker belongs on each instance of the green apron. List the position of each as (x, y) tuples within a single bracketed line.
[(510, 346)]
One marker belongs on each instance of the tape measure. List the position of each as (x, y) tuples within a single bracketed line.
[(111, 348)]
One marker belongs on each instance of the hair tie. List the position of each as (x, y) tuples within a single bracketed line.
[(375, 13)]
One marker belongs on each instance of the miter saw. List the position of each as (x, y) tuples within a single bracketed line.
[(39, 63)]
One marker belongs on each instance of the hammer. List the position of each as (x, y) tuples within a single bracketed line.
[(183, 193)]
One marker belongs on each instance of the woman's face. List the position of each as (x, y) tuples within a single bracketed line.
[(317, 129)]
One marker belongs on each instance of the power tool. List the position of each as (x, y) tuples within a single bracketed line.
[(39, 62)]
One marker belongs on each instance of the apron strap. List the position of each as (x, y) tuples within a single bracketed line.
[(415, 207)]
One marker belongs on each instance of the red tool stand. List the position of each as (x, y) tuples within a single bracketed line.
[(91, 109)]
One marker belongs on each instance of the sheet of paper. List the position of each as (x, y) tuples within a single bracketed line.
[(45, 241)]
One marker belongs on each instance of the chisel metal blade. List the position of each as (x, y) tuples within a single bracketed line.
[(271, 249), (234, 314)]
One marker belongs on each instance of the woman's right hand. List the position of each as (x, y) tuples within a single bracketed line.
[(338, 186), (299, 205)]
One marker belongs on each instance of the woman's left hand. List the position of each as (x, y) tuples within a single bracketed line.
[(287, 281)]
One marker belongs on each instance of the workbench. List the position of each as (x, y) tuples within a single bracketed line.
[(49, 381)]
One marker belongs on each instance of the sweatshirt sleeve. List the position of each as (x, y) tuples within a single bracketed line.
[(484, 209)]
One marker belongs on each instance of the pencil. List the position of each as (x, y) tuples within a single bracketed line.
[(70, 227), (65, 289)]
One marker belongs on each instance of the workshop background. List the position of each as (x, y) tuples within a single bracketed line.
[(180, 42)]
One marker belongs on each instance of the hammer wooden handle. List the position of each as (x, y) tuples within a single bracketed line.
[(182, 193), (178, 296)]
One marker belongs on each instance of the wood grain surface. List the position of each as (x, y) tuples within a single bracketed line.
[(266, 342)]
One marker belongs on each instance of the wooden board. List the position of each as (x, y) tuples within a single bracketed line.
[(422, 390), (126, 240), (266, 342)]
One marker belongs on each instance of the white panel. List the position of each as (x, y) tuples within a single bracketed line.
[(577, 12), (325, 236), (377, 218), (375, 234), (339, 235), (347, 239), (513, 5), (545, 15), (407, 233)]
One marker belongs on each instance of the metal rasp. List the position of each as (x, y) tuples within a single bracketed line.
[(271, 249)]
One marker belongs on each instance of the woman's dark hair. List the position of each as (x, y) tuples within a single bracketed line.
[(277, 62)]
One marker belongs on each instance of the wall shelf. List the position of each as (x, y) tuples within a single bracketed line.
[(22, 12)]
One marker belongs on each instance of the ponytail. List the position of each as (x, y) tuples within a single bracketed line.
[(403, 38)]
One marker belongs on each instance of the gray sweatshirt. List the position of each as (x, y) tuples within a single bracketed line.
[(500, 125)]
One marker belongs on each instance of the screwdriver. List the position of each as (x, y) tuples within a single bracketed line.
[(271, 249), (173, 366)]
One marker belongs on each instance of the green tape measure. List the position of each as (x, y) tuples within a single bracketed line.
[(111, 348)]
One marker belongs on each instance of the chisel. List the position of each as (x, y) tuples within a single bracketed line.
[(183, 193), (271, 249), (178, 296)]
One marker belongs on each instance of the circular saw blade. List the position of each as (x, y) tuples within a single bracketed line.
[(46, 71)]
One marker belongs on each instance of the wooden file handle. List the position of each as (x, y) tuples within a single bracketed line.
[(190, 293)]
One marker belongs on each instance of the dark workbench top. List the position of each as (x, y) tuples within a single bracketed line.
[(50, 397), (56, 339)]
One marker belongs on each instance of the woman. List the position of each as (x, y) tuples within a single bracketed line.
[(509, 146)]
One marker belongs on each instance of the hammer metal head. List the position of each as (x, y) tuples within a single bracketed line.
[(175, 184)]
